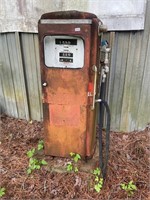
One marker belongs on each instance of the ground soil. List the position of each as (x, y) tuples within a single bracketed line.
[(129, 160)]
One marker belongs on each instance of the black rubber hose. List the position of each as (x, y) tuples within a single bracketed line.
[(103, 164), (101, 120), (102, 96), (101, 117)]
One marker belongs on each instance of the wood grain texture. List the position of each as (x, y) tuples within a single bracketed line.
[(128, 89)]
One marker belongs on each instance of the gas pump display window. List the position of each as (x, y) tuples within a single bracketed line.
[(63, 51), (66, 41)]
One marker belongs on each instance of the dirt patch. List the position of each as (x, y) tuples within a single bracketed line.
[(129, 160)]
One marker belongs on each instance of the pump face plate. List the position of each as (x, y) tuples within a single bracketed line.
[(63, 51)]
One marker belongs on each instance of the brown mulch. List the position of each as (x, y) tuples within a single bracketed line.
[(129, 160)]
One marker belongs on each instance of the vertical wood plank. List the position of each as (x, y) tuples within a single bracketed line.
[(23, 102), (2, 97), (31, 74), (6, 78), (117, 71), (12, 77), (37, 59), (144, 104)]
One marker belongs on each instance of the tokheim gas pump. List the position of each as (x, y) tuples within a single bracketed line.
[(69, 55)]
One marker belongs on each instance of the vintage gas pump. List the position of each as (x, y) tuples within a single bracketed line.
[(69, 55)]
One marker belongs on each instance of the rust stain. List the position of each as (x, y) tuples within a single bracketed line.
[(64, 115), (70, 122)]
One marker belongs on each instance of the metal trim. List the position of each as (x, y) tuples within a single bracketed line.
[(94, 68), (66, 21)]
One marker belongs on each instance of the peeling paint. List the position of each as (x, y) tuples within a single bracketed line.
[(123, 15)]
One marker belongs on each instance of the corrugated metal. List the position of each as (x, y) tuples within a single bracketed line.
[(129, 90)]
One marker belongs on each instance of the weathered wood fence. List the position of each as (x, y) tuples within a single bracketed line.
[(129, 81)]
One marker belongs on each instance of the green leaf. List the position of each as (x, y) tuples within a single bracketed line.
[(97, 171), (30, 153), (2, 191), (72, 154), (100, 185), (130, 183), (97, 188), (37, 166), (33, 167), (123, 186), (76, 169), (33, 161), (134, 187), (43, 162), (77, 157), (96, 179), (69, 167), (40, 145), (29, 171), (129, 188), (101, 181)]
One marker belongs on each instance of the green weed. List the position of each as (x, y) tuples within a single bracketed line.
[(34, 163), (31, 153), (2, 191), (130, 187), (72, 166), (40, 145), (98, 181)]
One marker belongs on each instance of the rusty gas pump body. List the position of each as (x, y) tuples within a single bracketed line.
[(69, 57)]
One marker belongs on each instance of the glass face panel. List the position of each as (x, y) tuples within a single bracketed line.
[(63, 51)]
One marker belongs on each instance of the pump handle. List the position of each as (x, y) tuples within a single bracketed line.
[(94, 68)]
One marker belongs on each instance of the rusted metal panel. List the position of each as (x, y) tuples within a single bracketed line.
[(64, 115), (70, 123)]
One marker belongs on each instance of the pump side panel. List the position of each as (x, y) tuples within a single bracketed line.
[(65, 98)]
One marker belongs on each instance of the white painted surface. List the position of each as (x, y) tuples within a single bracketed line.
[(63, 52), (66, 21), (23, 15)]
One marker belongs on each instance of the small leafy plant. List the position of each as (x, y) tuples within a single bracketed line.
[(34, 163), (40, 145), (75, 157), (71, 166), (130, 188), (98, 184), (31, 153), (97, 172), (2, 191), (98, 181)]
